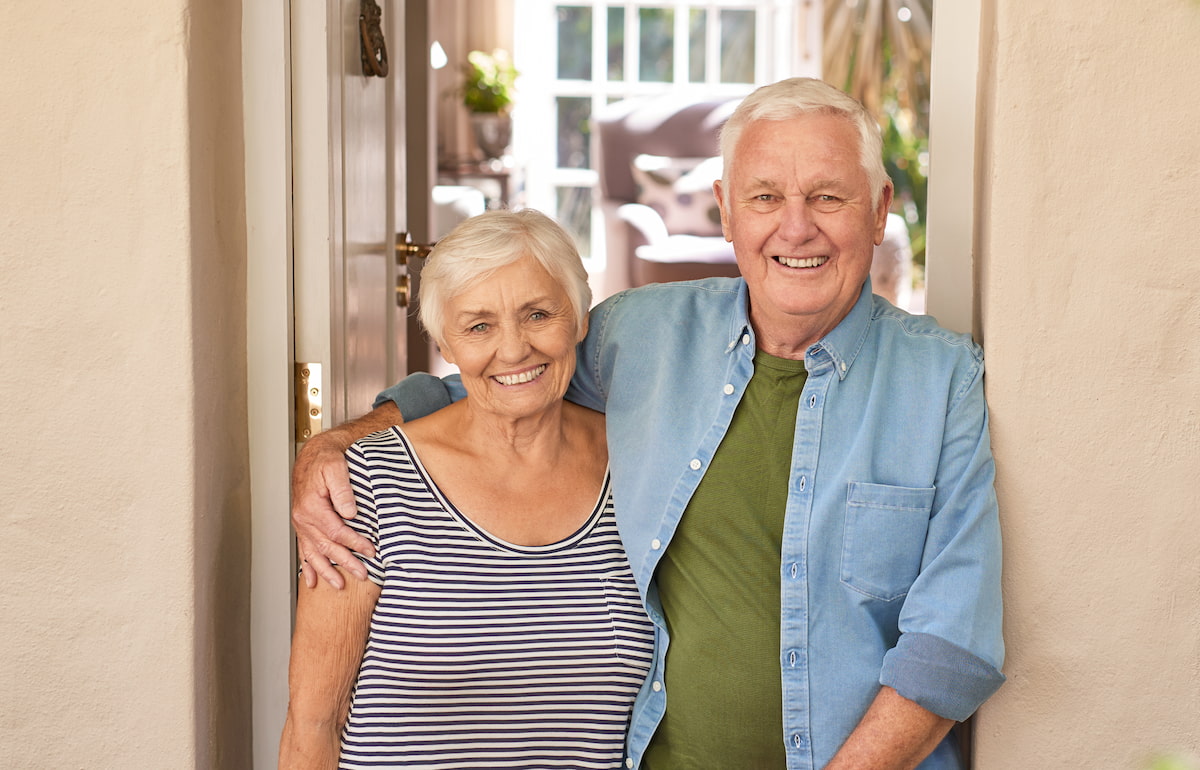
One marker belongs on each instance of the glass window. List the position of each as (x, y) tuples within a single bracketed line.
[(697, 44), (737, 46), (656, 36), (616, 43), (575, 215), (574, 42), (574, 131)]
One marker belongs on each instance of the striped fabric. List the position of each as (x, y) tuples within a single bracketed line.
[(483, 653)]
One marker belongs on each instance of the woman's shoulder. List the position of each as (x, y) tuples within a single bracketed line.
[(433, 427)]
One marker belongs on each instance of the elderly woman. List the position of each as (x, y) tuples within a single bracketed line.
[(501, 626)]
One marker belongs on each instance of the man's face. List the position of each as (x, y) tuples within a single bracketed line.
[(798, 211)]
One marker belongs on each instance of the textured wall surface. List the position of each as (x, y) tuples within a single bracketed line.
[(122, 304), (1091, 314)]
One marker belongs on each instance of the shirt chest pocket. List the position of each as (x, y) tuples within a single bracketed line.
[(884, 538)]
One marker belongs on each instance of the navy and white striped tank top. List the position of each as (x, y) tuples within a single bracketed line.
[(483, 653)]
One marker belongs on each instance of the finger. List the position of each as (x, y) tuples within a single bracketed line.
[(352, 541), (324, 570), (337, 484), (343, 557), (310, 574)]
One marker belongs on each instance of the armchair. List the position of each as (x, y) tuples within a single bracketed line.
[(642, 248)]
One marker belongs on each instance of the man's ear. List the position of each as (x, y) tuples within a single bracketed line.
[(881, 211), (719, 194)]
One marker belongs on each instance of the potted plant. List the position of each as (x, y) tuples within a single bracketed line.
[(488, 94)]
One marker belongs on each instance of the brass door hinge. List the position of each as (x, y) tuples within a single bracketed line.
[(308, 401)]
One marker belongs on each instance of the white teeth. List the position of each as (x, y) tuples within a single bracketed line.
[(517, 379), (810, 262)]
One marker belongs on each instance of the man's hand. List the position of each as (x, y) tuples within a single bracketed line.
[(321, 498)]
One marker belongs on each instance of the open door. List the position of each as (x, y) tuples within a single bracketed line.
[(336, 167), (358, 180)]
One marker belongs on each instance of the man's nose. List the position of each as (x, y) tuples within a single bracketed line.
[(797, 224)]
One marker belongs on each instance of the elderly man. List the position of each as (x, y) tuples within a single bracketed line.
[(802, 473)]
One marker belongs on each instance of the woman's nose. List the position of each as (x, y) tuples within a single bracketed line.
[(514, 343)]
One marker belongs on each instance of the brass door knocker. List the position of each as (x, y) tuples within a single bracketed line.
[(374, 47)]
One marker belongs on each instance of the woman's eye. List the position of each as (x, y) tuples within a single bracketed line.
[(537, 315), (479, 327)]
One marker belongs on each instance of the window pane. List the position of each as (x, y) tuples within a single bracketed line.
[(737, 46), (656, 27), (575, 215), (574, 42), (616, 43), (697, 31), (574, 131)]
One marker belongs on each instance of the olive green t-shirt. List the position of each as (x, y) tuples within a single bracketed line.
[(719, 584)]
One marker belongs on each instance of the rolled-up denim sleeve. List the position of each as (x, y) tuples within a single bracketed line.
[(421, 394), (951, 648)]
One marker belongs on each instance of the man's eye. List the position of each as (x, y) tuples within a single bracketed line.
[(827, 198)]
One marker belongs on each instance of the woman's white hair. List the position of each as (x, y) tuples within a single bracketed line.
[(482, 244), (793, 97)]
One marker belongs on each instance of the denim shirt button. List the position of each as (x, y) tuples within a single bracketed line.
[(792, 658), (656, 686), (794, 570), (745, 339), (798, 740), (629, 762), (812, 400), (656, 544), (803, 483), (694, 465), (729, 390)]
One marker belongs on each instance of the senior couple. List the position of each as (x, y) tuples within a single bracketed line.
[(801, 478)]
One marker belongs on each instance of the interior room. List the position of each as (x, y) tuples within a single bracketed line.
[(202, 203)]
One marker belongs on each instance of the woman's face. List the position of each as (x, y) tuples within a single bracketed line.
[(513, 336)]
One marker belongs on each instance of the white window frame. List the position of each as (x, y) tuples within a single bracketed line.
[(787, 35)]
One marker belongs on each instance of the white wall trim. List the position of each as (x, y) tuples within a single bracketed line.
[(950, 227), (267, 134)]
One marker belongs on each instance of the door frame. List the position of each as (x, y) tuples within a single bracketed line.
[(267, 109), (266, 94)]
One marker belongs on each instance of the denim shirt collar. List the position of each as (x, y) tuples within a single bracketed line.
[(840, 347), (739, 320)]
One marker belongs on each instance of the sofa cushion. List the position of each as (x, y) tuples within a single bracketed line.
[(680, 190)]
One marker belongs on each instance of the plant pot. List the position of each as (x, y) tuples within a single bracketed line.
[(493, 132)]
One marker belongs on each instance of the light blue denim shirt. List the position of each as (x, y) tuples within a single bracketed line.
[(890, 568)]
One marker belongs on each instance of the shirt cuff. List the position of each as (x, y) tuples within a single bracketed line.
[(416, 395), (939, 676)]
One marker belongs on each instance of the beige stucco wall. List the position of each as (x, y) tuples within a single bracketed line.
[(1090, 283), (123, 502)]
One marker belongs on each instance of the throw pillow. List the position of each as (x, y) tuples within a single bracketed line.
[(680, 190)]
